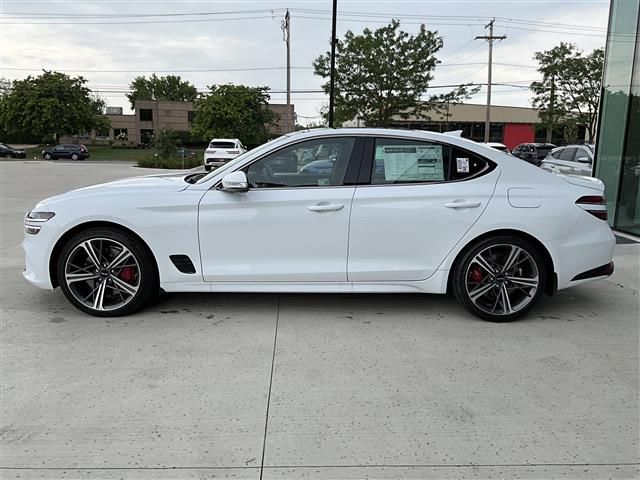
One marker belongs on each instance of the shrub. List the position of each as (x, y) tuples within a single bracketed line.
[(153, 161)]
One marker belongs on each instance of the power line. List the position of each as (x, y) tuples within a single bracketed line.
[(239, 69)]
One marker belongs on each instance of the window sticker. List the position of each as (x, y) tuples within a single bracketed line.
[(411, 163), (462, 165)]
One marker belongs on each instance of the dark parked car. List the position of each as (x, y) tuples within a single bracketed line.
[(533, 152), (74, 152), (7, 151)]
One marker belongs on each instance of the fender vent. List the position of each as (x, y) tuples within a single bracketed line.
[(183, 263)]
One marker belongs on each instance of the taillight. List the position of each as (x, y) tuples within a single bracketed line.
[(596, 205)]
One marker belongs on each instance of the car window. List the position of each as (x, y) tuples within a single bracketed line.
[(567, 154), (409, 161), (320, 162), (222, 145)]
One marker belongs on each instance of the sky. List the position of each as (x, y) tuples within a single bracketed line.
[(109, 42)]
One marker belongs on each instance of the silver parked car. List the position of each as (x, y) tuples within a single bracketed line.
[(570, 160)]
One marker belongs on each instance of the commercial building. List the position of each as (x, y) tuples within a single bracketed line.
[(617, 161), (151, 116), (509, 125)]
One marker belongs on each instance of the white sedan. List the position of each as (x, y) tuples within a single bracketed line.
[(399, 211)]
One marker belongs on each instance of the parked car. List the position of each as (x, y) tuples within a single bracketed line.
[(10, 152), (533, 152), (571, 159), (498, 146), (443, 213), (221, 150), (65, 150)]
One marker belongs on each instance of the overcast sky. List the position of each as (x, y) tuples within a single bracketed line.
[(111, 41)]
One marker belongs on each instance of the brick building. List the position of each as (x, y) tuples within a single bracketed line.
[(150, 116)]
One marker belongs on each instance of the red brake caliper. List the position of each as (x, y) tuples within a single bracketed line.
[(127, 274), (476, 275)]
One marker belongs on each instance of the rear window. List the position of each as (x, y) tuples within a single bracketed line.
[(222, 145), (408, 161)]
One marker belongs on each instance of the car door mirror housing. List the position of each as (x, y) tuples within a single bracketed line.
[(235, 182), (583, 159)]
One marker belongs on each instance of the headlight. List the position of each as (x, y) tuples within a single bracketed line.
[(40, 216), (36, 217)]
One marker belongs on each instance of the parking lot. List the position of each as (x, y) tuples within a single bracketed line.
[(309, 386)]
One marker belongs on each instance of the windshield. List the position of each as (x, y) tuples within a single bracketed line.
[(240, 158), (222, 145)]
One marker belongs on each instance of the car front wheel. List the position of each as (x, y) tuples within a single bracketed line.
[(47, 156), (106, 273), (500, 279), (74, 156)]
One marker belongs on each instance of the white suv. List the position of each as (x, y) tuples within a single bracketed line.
[(220, 151)]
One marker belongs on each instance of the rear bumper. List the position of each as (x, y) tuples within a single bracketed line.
[(586, 254), (216, 162)]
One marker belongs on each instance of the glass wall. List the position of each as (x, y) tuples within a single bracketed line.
[(618, 145)]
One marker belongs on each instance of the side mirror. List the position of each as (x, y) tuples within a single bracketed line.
[(583, 159), (235, 182)]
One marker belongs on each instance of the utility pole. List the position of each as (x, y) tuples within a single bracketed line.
[(333, 63), (286, 36), (490, 38)]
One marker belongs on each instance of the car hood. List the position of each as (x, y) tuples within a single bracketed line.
[(588, 182), (151, 183)]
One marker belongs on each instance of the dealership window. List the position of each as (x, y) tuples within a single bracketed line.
[(102, 133), (146, 115)]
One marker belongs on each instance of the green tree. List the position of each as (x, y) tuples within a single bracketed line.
[(569, 91), (167, 88), (165, 142), (235, 111), (50, 105), (385, 73), (5, 89)]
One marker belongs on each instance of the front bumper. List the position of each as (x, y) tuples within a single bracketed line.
[(37, 251)]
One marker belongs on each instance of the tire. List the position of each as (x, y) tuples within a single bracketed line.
[(47, 156), (207, 168), (97, 290), (74, 156), (481, 281)]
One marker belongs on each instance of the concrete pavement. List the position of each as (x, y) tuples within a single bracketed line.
[(309, 386)]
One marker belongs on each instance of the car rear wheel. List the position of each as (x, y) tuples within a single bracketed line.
[(106, 273), (47, 156), (74, 156), (207, 168), (500, 279)]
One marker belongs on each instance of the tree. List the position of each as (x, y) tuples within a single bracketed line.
[(384, 73), (50, 105), (165, 143), (169, 88), (5, 89), (569, 91), (235, 111)]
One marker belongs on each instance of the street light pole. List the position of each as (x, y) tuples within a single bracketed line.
[(333, 63)]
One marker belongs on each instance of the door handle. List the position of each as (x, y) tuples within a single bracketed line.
[(325, 208), (462, 204)]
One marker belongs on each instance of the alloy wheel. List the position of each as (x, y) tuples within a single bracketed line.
[(502, 279), (102, 274)]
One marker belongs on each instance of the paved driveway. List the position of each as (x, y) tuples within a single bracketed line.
[(309, 386)]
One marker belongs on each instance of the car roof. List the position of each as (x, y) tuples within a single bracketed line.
[(225, 140)]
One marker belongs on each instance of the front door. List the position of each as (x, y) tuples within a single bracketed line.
[(422, 198), (293, 223)]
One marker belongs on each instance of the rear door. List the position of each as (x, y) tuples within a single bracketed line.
[(421, 198)]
